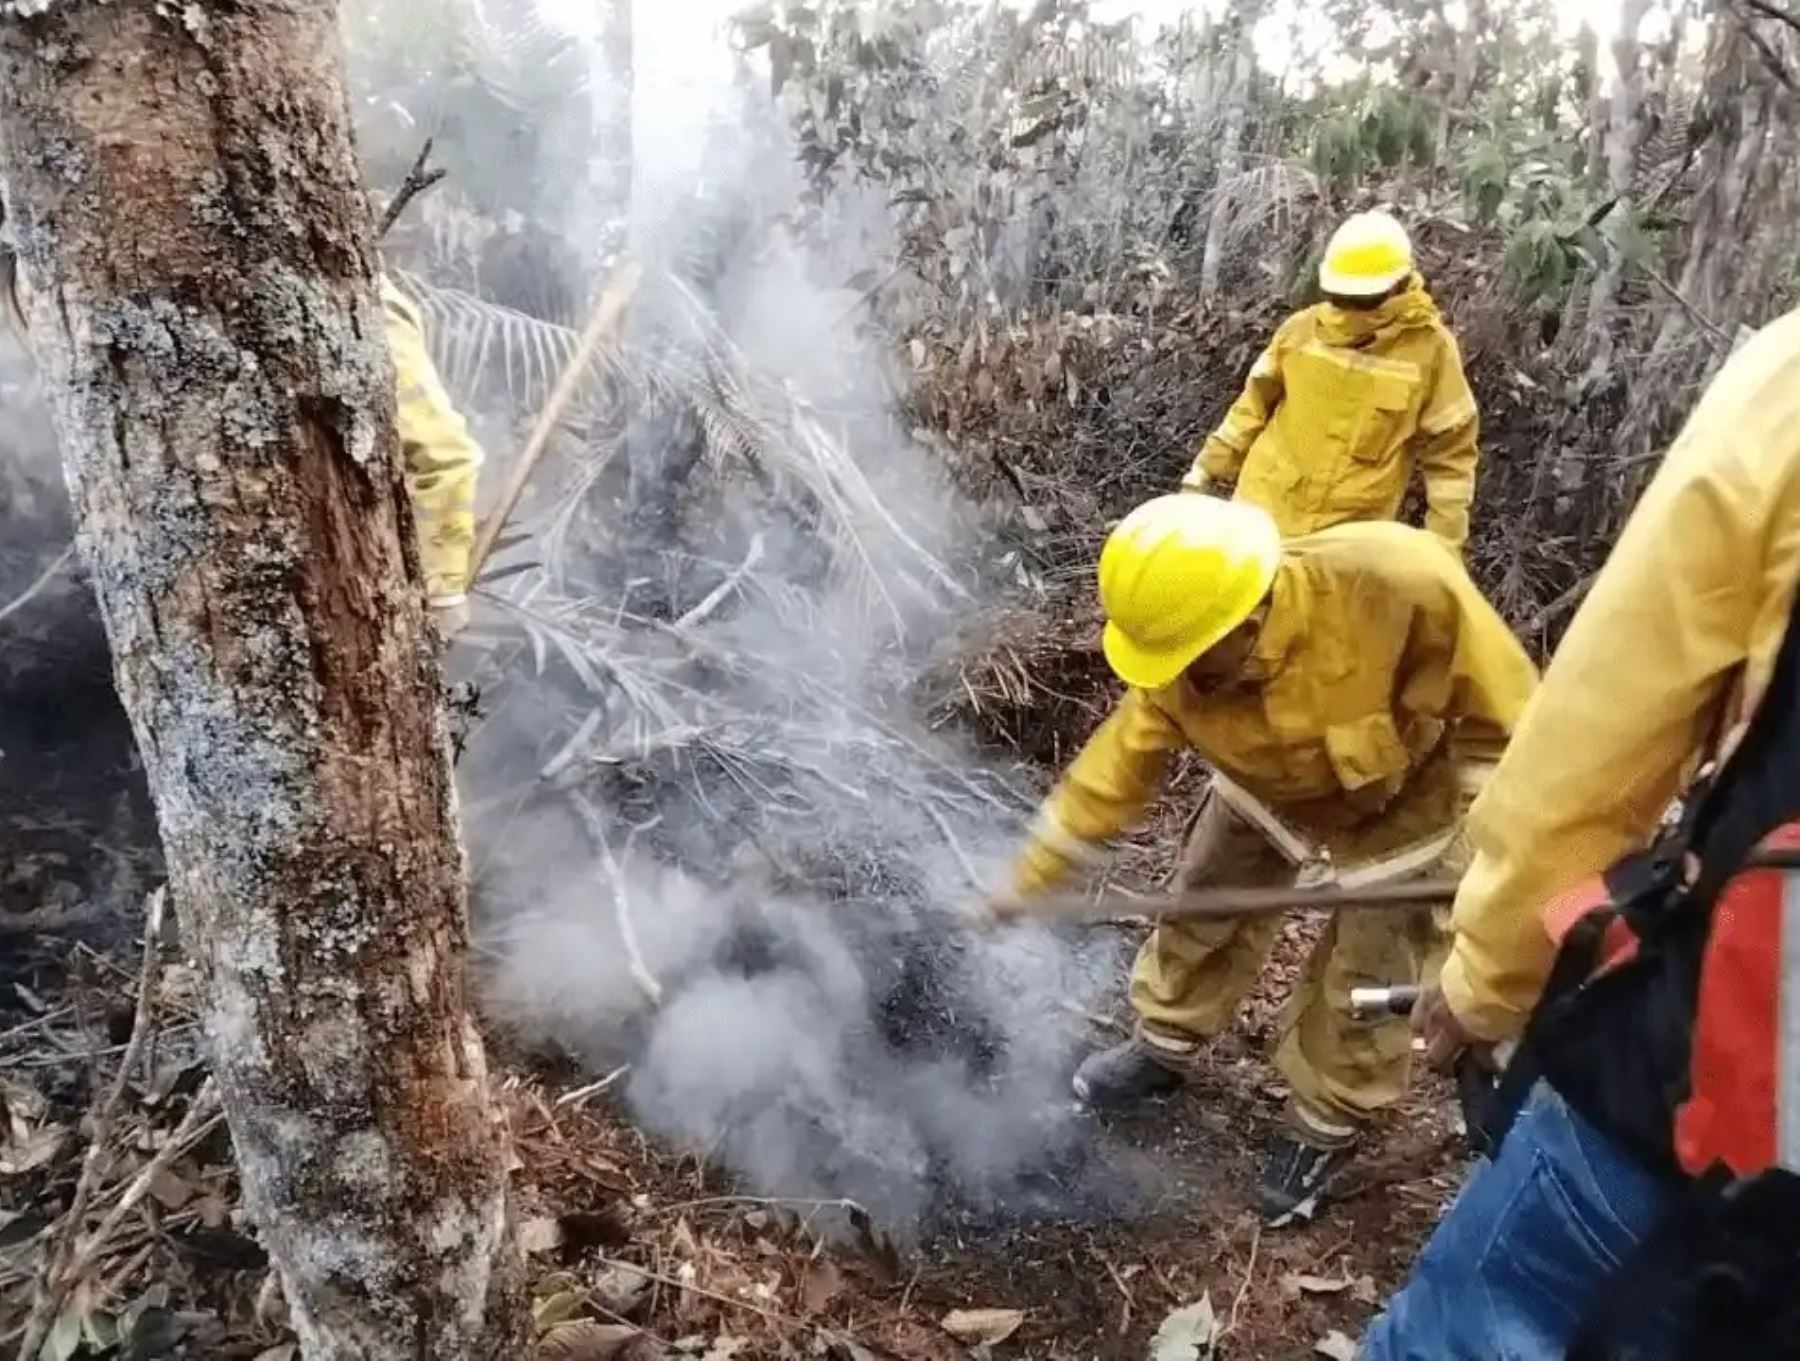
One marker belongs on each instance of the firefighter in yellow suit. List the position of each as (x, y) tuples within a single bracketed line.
[(442, 460), (1350, 398), (1348, 688)]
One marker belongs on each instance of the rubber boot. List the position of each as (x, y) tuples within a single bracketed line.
[(1129, 1074)]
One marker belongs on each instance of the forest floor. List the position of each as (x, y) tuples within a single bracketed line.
[(638, 1250), (641, 1251)]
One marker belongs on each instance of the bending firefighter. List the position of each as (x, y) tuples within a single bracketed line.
[(1346, 688), (1350, 398), (1660, 1069), (441, 459)]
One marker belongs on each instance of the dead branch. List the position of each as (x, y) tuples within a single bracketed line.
[(634, 956), (201, 1119), (1769, 10), (417, 181), (602, 324), (50, 919), (1771, 60), (1237, 1301), (58, 1270), (718, 594), (44, 578), (580, 1095)]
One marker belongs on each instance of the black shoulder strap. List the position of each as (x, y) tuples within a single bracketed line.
[(1758, 787)]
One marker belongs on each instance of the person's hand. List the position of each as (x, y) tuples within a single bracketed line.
[(449, 618), (1197, 481), (1445, 1036)]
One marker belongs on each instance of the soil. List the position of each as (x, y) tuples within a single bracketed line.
[(1088, 1285)]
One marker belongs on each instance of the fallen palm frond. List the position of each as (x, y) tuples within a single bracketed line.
[(759, 427)]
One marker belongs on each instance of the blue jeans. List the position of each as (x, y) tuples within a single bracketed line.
[(1514, 1267)]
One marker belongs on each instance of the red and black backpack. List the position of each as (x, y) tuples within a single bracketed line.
[(1671, 1023)]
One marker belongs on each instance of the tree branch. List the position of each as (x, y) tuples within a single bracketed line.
[(1773, 11), (1770, 58), (45, 577), (417, 181), (603, 324)]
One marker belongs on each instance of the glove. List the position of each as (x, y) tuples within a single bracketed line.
[(449, 616), (1197, 481)]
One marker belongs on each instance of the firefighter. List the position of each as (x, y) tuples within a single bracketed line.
[(1685, 648), (441, 458), (1346, 687), (1352, 396)]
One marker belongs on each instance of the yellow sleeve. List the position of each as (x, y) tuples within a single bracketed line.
[(1223, 453), (1465, 671), (442, 459), (1704, 567), (1102, 793), (1449, 428)]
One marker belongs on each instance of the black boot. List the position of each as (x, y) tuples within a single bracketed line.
[(1299, 1167), (1127, 1075)]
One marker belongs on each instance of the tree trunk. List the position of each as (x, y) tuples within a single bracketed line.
[(206, 320), (1231, 148), (1743, 227), (1624, 137)]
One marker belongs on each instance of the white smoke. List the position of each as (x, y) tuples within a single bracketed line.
[(788, 850)]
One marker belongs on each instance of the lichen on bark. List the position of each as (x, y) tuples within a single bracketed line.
[(186, 203)]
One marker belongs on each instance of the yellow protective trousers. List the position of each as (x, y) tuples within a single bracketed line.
[(1191, 976)]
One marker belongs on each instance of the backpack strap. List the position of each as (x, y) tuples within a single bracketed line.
[(1579, 956)]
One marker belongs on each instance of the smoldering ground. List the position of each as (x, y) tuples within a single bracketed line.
[(723, 849), (713, 840)]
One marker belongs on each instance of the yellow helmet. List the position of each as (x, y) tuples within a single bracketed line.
[(1368, 255), (1176, 576)]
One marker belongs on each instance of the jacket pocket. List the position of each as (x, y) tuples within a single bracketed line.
[(1386, 401), (1368, 755)]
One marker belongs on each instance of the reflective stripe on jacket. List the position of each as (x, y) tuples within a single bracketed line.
[(1378, 663), (441, 459), (1340, 410)]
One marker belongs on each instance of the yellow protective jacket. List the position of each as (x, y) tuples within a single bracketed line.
[(1377, 659), (1339, 411), (1678, 632), (441, 459)]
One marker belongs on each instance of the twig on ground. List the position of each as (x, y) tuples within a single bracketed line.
[(1237, 1302), (718, 595), (59, 1269), (634, 956), (1124, 1289), (962, 858), (50, 918), (202, 1117), (581, 1094), (772, 1315), (775, 1202), (44, 578), (418, 179)]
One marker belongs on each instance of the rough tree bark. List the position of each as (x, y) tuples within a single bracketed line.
[(1624, 139), (1743, 228), (205, 315), (1231, 144)]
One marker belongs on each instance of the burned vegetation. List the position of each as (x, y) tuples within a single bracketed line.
[(793, 623)]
